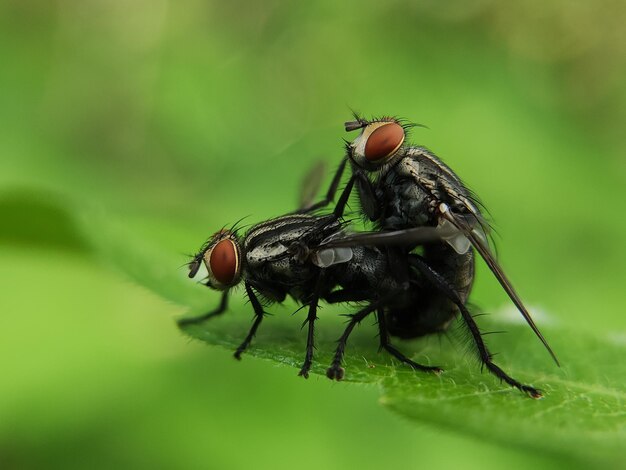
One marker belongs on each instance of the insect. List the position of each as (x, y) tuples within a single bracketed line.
[(410, 194), (294, 255)]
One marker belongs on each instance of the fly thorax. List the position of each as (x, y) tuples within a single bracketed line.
[(266, 253)]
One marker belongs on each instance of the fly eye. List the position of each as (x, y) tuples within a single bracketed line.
[(384, 141), (223, 262)]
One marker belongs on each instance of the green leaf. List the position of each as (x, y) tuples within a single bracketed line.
[(582, 415)]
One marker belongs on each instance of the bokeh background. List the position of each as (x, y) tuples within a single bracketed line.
[(176, 118)]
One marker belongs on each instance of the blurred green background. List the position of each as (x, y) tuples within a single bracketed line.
[(176, 118)]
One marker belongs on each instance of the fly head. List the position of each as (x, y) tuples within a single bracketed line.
[(379, 143), (222, 257)]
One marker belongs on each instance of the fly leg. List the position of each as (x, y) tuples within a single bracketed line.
[(258, 317), (367, 196), (385, 344), (221, 308), (485, 356), (335, 371), (310, 340), (343, 295), (330, 194), (343, 199)]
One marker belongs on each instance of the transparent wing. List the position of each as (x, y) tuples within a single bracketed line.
[(311, 184), (409, 236), (479, 243)]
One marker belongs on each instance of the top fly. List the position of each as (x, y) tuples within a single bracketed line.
[(408, 191)]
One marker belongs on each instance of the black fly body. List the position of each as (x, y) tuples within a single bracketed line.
[(413, 198), (292, 256)]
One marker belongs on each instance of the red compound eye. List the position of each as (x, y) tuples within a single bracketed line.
[(224, 261), (384, 141)]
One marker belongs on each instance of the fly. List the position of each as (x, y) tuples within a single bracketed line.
[(293, 256), (413, 197)]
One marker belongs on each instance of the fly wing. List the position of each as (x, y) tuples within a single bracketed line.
[(311, 185), (480, 244), (405, 237)]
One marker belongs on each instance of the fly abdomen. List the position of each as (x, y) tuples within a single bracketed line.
[(457, 269)]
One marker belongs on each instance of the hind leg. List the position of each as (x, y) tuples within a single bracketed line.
[(485, 356), (385, 344)]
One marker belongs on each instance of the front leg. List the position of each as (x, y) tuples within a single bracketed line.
[(343, 199), (330, 194), (367, 196), (258, 317), (221, 308)]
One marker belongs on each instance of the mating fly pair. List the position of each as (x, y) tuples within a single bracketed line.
[(414, 200)]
